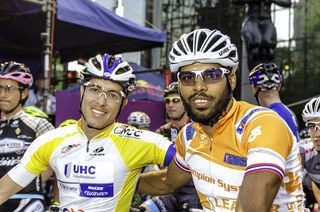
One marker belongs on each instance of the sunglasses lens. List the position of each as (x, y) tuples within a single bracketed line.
[(172, 99), (176, 100), (212, 75), (167, 101), (187, 78)]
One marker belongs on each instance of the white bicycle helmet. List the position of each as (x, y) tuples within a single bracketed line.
[(110, 68), (311, 109), (139, 119), (203, 46), (266, 76)]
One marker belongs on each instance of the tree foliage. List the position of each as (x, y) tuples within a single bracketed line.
[(300, 62)]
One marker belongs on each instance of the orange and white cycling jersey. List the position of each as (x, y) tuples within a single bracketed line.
[(248, 139)]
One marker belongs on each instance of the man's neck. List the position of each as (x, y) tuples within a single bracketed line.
[(91, 132), (266, 98), (209, 129), (11, 114), (179, 123)]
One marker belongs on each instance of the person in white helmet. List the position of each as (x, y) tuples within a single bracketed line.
[(98, 160), (139, 119), (231, 150), (310, 147)]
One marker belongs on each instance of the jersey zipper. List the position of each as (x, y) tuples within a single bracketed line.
[(211, 141), (88, 145)]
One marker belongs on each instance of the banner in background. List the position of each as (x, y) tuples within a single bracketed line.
[(150, 85)]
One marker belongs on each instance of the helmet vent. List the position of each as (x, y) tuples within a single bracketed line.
[(190, 41), (176, 52), (123, 70), (202, 38), (181, 47), (212, 42), (232, 54), (220, 46), (96, 63)]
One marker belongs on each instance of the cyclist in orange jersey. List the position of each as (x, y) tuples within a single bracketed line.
[(241, 157)]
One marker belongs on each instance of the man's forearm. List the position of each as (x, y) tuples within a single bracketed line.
[(7, 188), (154, 183)]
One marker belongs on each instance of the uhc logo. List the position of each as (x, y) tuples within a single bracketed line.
[(78, 169)]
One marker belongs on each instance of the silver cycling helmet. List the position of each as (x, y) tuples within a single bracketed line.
[(266, 76), (204, 46), (110, 68), (139, 119), (311, 109)]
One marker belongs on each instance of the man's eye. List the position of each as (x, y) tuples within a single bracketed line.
[(94, 90), (113, 95), (311, 126), (187, 77)]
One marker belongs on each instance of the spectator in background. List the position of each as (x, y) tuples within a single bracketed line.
[(310, 148), (266, 80), (175, 112), (139, 120), (18, 130), (37, 97)]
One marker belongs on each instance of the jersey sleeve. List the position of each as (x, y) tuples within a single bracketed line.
[(179, 157), (139, 148), (36, 158), (269, 142), (20, 175)]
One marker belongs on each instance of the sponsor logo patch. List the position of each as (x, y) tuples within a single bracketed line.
[(98, 152), (96, 190), (79, 171), (235, 160), (69, 147), (126, 131)]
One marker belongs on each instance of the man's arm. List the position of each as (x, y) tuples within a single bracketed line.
[(258, 191), (7, 188), (316, 191), (163, 181)]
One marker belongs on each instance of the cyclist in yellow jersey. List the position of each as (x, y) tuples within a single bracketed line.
[(97, 161), (241, 157)]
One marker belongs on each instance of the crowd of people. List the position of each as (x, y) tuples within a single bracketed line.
[(214, 153)]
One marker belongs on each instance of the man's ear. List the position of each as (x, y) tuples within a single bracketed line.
[(232, 80), (81, 91), (25, 93), (125, 102), (254, 89), (278, 87)]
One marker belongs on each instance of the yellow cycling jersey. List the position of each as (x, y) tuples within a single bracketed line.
[(96, 175), (247, 140)]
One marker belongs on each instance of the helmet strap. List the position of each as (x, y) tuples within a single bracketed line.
[(19, 103), (179, 118)]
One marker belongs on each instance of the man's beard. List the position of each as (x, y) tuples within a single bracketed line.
[(216, 110)]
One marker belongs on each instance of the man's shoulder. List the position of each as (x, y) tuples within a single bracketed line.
[(164, 127)]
